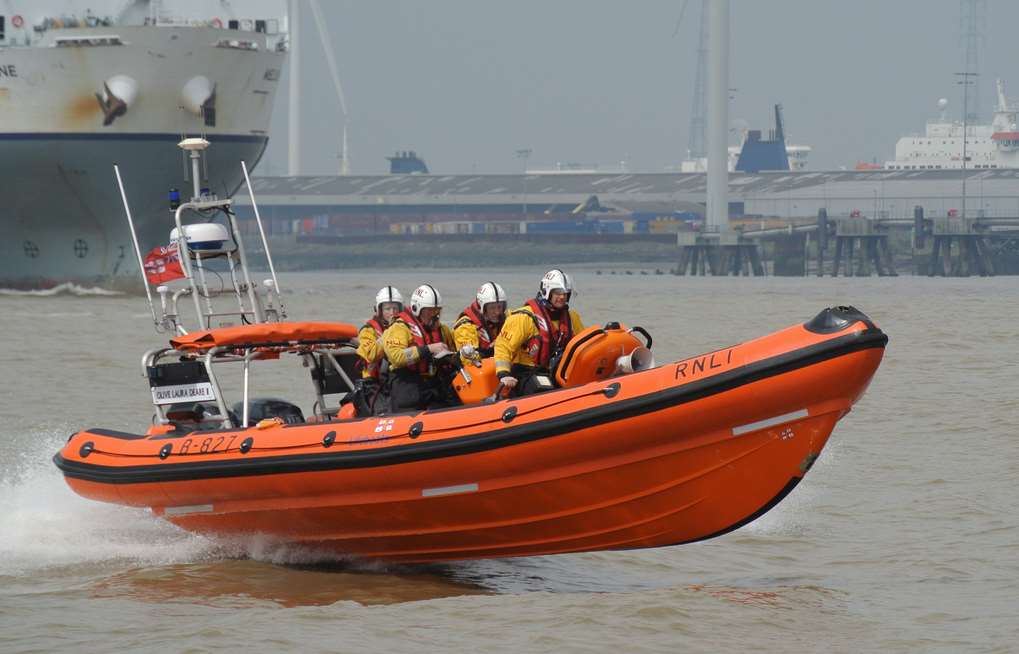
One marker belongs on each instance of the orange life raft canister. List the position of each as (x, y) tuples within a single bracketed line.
[(594, 354)]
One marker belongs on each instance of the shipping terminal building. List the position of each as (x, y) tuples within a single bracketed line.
[(575, 202)]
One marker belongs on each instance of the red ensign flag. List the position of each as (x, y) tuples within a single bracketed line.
[(162, 264)]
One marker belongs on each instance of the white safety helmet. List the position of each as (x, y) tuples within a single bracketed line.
[(388, 294), (490, 292), (424, 297), (555, 280)]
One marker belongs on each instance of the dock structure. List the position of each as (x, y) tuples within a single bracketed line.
[(970, 254), (723, 253), (960, 247), (862, 243)]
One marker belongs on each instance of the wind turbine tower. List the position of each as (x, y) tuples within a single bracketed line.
[(972, 23), (717, 214), (294, 73), (696, 148)]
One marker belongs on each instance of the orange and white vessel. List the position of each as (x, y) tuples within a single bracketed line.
[(623, 454)]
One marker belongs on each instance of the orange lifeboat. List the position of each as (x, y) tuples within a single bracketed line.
[(614, 459)]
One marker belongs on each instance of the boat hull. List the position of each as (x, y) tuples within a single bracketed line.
[(684, 452)]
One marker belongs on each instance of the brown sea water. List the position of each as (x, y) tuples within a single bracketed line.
[(902, 538)]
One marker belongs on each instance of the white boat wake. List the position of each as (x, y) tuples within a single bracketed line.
[(67, 288)]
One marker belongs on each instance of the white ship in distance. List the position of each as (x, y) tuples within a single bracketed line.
[(940, 147), (87, 85)]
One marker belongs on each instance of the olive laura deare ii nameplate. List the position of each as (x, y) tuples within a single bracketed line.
[(182, 393)]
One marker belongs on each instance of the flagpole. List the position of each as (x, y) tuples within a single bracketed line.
[(137, 250)]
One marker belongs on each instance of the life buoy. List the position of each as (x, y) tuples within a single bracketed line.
[(17, 21), (217, 23)]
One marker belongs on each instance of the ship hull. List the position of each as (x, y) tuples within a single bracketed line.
[(65, 219), (61, 209)]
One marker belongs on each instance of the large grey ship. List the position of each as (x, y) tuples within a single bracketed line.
[(122, 82)]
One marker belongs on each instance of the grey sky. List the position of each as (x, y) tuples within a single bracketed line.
[(467, 83)]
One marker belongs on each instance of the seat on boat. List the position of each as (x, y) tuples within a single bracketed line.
[(268, 407), (331, 382)]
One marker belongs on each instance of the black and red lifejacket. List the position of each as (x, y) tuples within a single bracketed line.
[(422, 337), (548, 343), (373, 367), (486, 334)]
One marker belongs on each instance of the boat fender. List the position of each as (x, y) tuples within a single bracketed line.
[(246, 445), (165, 450), (87, 448)]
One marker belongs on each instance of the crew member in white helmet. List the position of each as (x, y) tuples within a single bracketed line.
[(533, 337), (388, 304), (415, 344), (475, 330)]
